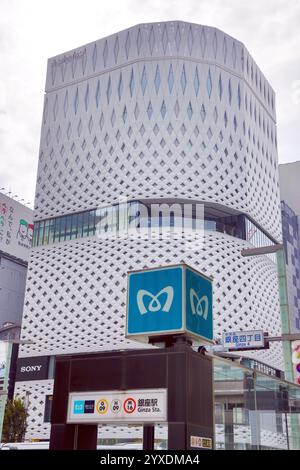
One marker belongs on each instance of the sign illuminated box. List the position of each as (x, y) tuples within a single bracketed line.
[(169, 300), (128, 406)]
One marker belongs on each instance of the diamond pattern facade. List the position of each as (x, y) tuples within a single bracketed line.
[(167, 110)]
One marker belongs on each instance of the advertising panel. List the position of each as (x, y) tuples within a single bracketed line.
[(16, 228), (4, 362)]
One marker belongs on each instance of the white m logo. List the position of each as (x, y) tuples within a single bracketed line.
[(155, 305), (199, 306)]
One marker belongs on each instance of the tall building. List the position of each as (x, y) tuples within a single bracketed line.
[(289, 174), (166, 112)]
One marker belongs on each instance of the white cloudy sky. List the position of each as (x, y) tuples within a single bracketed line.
[(33, 30)]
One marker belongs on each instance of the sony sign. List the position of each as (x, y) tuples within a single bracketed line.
[(32, 368)]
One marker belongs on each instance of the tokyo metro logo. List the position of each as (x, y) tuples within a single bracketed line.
[(154, 304), (199, 306)]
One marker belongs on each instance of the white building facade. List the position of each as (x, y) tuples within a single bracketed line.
[(167, 112)]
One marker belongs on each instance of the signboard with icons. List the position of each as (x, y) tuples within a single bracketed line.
[(131, 406), (16, 228), (169, 300), (244, 340)]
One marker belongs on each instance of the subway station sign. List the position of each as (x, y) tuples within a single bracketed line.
[(131, 406), (169, 300)]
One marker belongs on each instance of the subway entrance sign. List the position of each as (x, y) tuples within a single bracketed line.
[(168, 301)]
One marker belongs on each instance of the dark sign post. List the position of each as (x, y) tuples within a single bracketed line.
[(171, 305)]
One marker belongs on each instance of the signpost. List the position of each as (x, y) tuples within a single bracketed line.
[(168, 301), (244, 340)]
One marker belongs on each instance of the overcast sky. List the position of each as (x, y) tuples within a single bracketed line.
[(33, 30)]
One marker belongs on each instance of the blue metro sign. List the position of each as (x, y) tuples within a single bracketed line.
[(169, 300)]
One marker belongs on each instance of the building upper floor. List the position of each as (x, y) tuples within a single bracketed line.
[(162, 110)]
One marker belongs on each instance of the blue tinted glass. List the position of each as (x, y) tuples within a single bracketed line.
[(149, 110), (157, 80), (144, 80), (131, 83), (196, 82), (35, 234), (170, 79), (220, 87), (108, 91), (68, 227), (92, 221), (163, 109), (120, 86), (229, 91), (183, 79), (85, 224), (76, 100), (51, 230), (97, 95), (209, 84), (190, 111), (86, 97), (239, 97), (74, 230)]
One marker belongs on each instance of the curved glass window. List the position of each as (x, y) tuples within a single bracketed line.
[(121, 218)]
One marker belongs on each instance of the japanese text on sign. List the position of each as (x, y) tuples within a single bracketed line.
[(244, 340), (136, 406)]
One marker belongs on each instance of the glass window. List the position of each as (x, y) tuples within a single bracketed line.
[(35, 233), (46, 233), (41, 232), (74, 226), (51, 230), (68, 227), (85, 229), (80, 225), (56, 230), (92, 226), (62, 232)]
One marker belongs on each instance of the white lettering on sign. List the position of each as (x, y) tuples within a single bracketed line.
[(30, 368), (244, 339), (134, 406)]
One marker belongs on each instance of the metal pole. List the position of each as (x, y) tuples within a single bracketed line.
[(148, 437)]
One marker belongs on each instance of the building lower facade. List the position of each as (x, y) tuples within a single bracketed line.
[(158, 146)]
